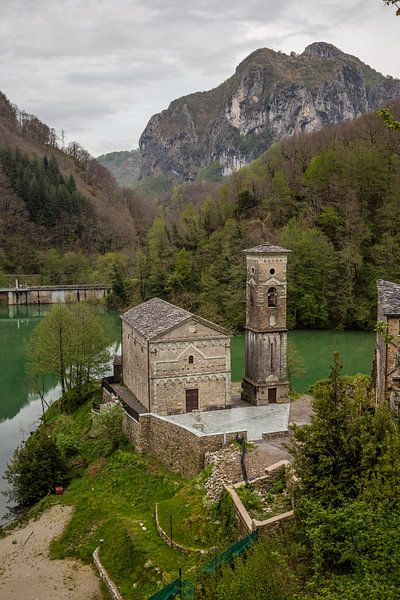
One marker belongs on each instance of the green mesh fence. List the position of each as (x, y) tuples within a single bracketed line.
[(168, 592), (185, 588), (179, 588), (230, 553)]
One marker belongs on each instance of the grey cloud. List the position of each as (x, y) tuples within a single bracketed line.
[(101, 69)]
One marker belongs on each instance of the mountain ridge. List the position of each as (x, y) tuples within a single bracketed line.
[(271, 95)]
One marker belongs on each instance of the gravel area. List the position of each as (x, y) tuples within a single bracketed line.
[(27, 573)]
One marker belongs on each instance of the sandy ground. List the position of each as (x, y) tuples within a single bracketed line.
[(26, 572)]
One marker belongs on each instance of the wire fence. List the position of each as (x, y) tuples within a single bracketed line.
[(184, 588)]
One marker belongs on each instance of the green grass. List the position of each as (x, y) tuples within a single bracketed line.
[(114, 498), (192, 525)]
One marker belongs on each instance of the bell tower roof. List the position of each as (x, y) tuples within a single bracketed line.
[(266, 249)]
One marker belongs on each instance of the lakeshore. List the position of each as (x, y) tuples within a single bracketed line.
[(26, 570)]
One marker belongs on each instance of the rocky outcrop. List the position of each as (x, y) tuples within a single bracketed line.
[(270, 96)]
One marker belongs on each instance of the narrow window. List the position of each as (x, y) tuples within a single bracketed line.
[(271, 349), (191, 360), (251, 297), (272, 297)]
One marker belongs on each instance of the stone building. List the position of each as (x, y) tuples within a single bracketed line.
[(265, 378), (387, 355), (174, 361)]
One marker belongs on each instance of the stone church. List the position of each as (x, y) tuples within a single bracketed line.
[(174, 361)]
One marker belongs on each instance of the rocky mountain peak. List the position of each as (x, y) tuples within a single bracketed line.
[(322, 50), (270, 96)]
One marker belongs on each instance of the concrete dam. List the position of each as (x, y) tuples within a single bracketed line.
[(53, 294)]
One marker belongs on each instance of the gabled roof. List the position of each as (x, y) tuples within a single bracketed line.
[(156, 316), (389, 297), (266, 249)]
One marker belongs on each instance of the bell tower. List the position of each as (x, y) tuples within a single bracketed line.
[(265, 380)]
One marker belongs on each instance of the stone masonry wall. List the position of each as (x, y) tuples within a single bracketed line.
[(259, 315), (193, 356), (169, 395), (392, 369), (135, 364), (178, 448)]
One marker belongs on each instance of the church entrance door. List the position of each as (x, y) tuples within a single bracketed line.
[(271, 395), (192, 400)]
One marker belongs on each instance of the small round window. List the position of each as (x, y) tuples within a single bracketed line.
[(272, 271)]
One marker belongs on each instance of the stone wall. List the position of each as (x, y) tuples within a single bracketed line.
[(245, 522), (135, 364), (169, 394), (391, 376), (137, 432), (193, 356), (176, 446)]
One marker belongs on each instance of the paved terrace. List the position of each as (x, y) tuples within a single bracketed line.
[(255, 419)]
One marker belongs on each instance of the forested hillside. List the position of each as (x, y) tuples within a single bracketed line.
[(332, 197), (56, 199), (124, 165)]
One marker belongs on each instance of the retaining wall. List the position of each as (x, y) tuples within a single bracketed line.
[(179, 448), (246, 523)]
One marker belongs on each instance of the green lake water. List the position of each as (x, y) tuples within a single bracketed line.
[(20, 407), (316, 349)]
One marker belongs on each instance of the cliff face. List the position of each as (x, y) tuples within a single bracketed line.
[(270, 96)]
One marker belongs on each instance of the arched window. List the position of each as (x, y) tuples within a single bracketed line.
[(191, 360), (272, 297)]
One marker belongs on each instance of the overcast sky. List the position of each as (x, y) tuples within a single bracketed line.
[(100, 68)]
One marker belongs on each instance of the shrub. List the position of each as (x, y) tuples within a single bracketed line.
[(107, 427), (36, 468)]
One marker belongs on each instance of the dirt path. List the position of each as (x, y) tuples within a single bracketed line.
[(26, 572)]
